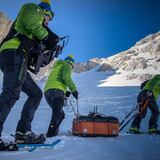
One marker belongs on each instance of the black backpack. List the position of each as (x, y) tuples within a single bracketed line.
[(143, 84)]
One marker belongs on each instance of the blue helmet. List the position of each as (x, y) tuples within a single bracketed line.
[(70, 59), (46, 5)]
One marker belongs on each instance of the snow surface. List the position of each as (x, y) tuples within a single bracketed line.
[(118, 80), (115, 101)]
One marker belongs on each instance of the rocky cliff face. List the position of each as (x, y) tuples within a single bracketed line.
[(5, 24), (82, 67), (139, 62)]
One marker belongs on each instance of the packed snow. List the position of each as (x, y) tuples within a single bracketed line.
[(114, 101), (118, 80)]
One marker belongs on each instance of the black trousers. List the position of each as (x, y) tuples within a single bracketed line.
[(17, 79), (55, 99), (151, 103)]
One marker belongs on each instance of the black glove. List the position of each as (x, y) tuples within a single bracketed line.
[(75, 94), (50, 42), (68, 93)]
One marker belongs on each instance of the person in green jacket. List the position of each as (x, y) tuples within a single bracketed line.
[(147, 97), (55, 91), (14, 53)]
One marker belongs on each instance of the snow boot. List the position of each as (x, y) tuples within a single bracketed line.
[(52, 131), (11, 146), (153, 131), (54, 127), (2, 145), (134, 130), (29, 138)]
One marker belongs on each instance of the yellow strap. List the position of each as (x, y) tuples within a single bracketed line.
[(145, 105)]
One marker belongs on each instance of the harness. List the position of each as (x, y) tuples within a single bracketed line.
[(26, 43)]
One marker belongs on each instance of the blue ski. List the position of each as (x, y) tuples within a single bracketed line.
[(35, 146)]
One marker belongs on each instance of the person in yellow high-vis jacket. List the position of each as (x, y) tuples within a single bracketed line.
[(147, 99), (55, 90), (14, 51)]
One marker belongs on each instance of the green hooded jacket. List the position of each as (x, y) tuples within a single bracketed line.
[(29, 23), (60, 77), (153, 85)]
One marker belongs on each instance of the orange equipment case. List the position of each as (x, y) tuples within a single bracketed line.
[(95, 125)]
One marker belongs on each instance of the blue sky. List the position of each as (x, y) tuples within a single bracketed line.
[(98, 28)]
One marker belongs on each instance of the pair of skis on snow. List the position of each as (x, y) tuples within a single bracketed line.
[(12, 146), (32, 147)]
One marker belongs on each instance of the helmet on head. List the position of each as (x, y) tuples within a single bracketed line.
[(46, 5), (70, 59)]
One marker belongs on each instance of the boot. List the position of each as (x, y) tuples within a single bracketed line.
[(54, 127), (12, 146), (2, 145), (134, 130), (153, 131), (29, 138), (52, 131)]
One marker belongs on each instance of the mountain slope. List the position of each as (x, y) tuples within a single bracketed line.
[(132, 66)]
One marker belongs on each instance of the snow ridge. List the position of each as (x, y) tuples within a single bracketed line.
[(132, 66)]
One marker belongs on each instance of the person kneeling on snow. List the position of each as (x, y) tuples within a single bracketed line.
[(147, 97), (55, 91)]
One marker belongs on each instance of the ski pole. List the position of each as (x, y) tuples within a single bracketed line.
[(73, 108), (128, 115), (77, 107), (127, 122), (143, 108)]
